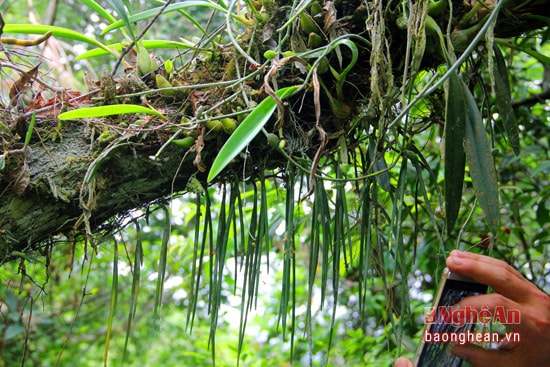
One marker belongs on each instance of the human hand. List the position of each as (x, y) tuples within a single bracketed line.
[(513, 291)]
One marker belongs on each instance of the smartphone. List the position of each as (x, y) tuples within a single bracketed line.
[(435, 344)]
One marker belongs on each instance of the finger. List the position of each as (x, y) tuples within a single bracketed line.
[(402, 362), (502, 277), (487, 308), (478, 356)]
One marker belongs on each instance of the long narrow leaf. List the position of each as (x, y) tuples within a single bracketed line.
[(161, 276), (399, 212), (199, 251), (216, 276), (101, 158), (504, 100), (365, 256), (28, 135), (178, 6), (248, 282), (138, 259), (99, 10), (246, 131), (480, 161), (288, 286), (110, 110), (123, 11), (113, 304), (381, 166), (338, 245), (455, 161), (148, 44)]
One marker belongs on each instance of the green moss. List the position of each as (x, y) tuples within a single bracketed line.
[(106, 137)]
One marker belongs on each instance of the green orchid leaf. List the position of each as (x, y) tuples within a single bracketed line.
[(480, 161), (503, 100), (112, 305), (123, 10), (173, 7), (466, 141), (101, 111), (148, 44), (455, 128), (247, 130), (99, 10)]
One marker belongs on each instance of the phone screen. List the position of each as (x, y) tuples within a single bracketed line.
[(432, 353)]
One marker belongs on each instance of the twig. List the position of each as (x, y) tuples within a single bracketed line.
[(534, 99)]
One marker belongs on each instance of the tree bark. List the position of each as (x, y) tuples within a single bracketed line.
[(57, 201)]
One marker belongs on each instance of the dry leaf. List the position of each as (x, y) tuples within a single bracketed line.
[(23, 83)]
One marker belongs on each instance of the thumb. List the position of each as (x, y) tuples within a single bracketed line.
[(402, 362)]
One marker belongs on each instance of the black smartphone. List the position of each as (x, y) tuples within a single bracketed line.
[(443, 326)]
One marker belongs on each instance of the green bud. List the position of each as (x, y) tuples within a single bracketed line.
[(168, 66), (273, 140), (229, 125), (262, 17), (314, 40), (288, 54), (145, 63), (270, 54), (163, 83), (401, 22), (185, 143), (214, 125)]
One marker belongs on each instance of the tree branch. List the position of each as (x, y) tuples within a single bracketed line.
[(532, 100)]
